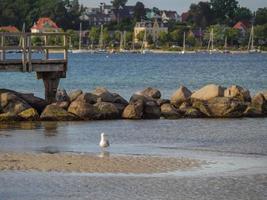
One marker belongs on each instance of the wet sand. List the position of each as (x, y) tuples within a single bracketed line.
[(87, 163)]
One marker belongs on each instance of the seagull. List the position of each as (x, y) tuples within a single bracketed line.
[(104, 143)]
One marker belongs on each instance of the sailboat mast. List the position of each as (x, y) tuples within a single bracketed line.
[(252, 37), (101, 38), (212, 39), (184, 43), (80, 37), (124, 39), (225, 43)]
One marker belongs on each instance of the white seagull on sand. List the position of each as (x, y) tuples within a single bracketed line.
[(104, 143)]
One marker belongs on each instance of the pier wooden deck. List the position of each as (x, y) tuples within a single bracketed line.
[(50, 70)]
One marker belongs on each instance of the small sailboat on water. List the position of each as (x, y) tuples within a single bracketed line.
[(80, 50), (101, 48), (226, 45), (251, 47), (184, 38), (144, 43)]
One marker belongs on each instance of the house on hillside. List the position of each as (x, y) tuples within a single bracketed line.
[(11, 29), (45, 25), (243, 27), (184, 16), (152, 15), (170, 16), (152, 29)]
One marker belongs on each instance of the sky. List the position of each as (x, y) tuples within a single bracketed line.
[(178, 5)]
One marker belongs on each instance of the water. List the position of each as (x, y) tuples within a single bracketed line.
[(236, 149), (128, 73)]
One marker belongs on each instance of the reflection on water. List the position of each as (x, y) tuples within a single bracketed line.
[(19, 125), (104, 154), (50, 128)]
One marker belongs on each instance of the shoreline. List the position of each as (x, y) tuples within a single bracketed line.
[(88, 163)]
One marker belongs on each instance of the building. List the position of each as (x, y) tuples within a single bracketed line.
[(11, 29), (153, 29), (184, 16), (170, 16), (44, 25), (242, 26)]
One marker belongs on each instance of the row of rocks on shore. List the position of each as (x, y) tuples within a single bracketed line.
[(211, 101)]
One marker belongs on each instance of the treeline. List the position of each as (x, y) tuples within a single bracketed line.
[(66, 13)]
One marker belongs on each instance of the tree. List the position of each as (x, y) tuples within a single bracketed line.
[(201, 14), (94, 35), (261, 16), (224, 10), (140, 35), (163, 38), (243, 13), (118, 3), (139, 11)]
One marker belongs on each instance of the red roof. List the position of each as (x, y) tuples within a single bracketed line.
[(9, 28), (241, 25), (45, 22)]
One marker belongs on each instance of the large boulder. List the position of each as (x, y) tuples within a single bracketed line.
[(151, 92), (62, 104), (106, 110), (87, 98), (238, 92), (221, 107), (134, 110), (62, 95), (29, 115), (168, 111), (184, 107), (103, 95), (181, 95), (193, 113), (208, 92), (151, 110), (83, 110), (160, 102), (55, 113), (73, 95), (265, 94), (37, 103), (258, 107), (11, 104)]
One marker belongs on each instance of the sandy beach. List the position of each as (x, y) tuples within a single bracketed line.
[(86, 163)]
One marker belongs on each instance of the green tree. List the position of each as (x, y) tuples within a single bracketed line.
[(94, 35), (139, 11), (261, 16), (106, 37), (261, 34), (201, 14), (243, 13), (163, 38), (224, 10), (140, 36)]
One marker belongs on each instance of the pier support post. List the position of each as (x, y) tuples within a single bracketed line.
[(51, 82)]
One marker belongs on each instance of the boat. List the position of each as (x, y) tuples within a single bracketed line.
[(101, 43), (251, 47), (211, 49), (226, 46), (183, 51), (144, 50)]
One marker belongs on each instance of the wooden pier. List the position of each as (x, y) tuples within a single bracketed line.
[(46, 68)]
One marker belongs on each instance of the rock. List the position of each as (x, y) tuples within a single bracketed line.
[(151, 110), (221, 107), (119, 99), (62, 95), (134, 110), (265, 94), (83, 110), (238, 92), (151, 92), (7, 117), (193, 113), (12, 104), (106, 110), (87, 98), (29, 115), (208, 92), (35, 102), (55, 113), (180, 96), (103, 94), (138, 97), (169, 112), (184, 107), (73, 95), (258, 107), (62, 104), (160, 102), (120, 107), (253, 112)]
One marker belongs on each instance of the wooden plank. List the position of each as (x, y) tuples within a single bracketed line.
[(48, 67), (10, 68)]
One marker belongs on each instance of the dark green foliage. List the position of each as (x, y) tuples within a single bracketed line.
[(139, 11), (65, 13), (261, 16)]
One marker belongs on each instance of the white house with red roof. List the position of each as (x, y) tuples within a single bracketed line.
[(45, 25), (242, 26)]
